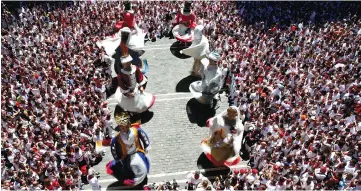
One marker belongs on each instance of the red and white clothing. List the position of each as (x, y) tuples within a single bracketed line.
[(188, 21), (129, 19), (192, 179), (184, 22), (223, 146), (136, 37), (129, 82)]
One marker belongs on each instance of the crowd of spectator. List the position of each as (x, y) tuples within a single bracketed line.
[(53, 88), (297, 73), (297, 76)]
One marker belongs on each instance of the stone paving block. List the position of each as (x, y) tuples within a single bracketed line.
[(175, 141)]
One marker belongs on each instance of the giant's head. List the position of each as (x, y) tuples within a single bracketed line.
[(123, 121), (187, 8)]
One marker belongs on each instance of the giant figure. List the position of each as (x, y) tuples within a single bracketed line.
[(224, 143), (129, 147), (198, 49)]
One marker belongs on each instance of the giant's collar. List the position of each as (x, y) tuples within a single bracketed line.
[(130, 11), (132, 71)]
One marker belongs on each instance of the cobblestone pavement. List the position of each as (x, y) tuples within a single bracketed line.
[(175, 141)]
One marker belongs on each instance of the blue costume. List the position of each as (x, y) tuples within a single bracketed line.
[(130, 165)]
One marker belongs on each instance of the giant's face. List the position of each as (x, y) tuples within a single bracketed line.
[(124, 128), (123, 122), (127, 65), (231, 113)]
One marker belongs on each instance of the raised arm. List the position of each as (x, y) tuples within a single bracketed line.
[(144, 138)]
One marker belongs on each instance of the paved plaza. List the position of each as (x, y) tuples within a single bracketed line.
[(175, 141)]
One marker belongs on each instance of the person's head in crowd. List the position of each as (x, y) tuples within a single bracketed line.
[(296, 65)]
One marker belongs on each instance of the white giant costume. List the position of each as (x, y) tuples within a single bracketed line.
[(205, 90), (198, 49), (185, 22), (135, 40), (129, 82), (223, 146)]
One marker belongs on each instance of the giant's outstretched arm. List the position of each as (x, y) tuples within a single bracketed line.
[(211, 123), (215, 84), (175, 21), (144, 138), (192, 22)]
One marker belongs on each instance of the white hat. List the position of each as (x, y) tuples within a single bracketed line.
[(126, 59), (125, 30), (280, 86), (214, 56), (295, 179)]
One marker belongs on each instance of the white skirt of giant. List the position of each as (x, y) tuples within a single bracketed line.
[(196, 89), (136, 41), (111, 43), (198, 49), (179, 32), (140, 103)]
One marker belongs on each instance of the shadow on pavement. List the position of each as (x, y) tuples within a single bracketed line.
[(199, 113), (183, 84), (176, 47), (145, 117), (211, 172), (118, 186)]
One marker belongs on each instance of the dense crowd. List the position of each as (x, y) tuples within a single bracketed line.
[(299, 82), (53, 93), (297, 75)]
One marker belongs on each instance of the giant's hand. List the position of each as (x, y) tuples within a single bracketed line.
[(147, 149)]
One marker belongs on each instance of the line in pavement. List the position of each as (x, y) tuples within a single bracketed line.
[(178, 93), (183, 172), (158, 95), (157, 45), (114, 180), (158, 100), (177, 98), (162, 48)]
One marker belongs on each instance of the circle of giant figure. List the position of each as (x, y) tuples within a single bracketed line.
[(198, 49), (224, 143), (130, 94), (205, 90), (129, 147), (185, 22), (128, 33)]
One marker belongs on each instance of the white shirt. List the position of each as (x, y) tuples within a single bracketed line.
[(308, 187), (229, 189), (194, 181), (319, 175), (94, 184), (129, 140)]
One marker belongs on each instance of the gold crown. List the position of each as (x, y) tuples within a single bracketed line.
[(122, 119)]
